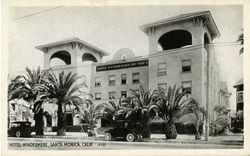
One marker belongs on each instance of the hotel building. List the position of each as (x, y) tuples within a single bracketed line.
[(177, 55)]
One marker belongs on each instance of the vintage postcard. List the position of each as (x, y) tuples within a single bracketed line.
[(107, 76)]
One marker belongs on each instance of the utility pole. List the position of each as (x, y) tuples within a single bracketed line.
[(207, 93)]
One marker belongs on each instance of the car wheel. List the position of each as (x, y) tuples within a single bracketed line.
[(130, 137), (108, 136), (18, 134)]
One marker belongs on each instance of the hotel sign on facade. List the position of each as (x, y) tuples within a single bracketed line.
[(122, 65)]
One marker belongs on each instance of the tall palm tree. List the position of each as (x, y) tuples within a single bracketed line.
[(169, 105), (63, 90), (13, 91), (27, 90), (35, 78)]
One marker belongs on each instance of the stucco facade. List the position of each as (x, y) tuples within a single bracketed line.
[(175, 75), (105, 88)]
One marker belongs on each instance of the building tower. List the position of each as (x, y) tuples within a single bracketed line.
[(76, 55), (70, 55), (178, 49)]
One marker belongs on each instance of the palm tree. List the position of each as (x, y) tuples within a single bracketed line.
[(35, 78), (144, 112), (112, 110), (194, 107), (15, 84), (169, 104), (62, 89), (27, 90), (88, 112), (241, 40), (136, 109)]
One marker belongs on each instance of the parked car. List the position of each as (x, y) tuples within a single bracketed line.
[(20, 129), (124, 130)]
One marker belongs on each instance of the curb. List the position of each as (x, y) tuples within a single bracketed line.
[(152, 140)]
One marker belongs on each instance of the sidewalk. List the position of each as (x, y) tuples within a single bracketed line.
[(231, 139)]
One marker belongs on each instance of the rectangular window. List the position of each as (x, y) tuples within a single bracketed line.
[(162, 86), (123, 79), (136, 78), (97, 82), (187, 87), (186, 65), (239, 97), (162, 69), (111, 95), (137, 91), (112, 80), (98, 96), (124, 94)]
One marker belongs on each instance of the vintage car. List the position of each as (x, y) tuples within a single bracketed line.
[(20, 129), (124, 130)]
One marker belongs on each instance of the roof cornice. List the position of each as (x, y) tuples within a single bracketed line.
[(183, 17), (45, 47)]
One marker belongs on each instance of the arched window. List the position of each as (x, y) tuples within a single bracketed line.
[(88, 58), (175, 39), (60, 58)]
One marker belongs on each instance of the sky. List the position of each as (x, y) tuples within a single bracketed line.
[(114, 27)]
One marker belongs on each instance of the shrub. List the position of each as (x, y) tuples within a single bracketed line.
[(219, 126), (189, 128)]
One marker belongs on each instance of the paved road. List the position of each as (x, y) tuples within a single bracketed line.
[(80, 144)]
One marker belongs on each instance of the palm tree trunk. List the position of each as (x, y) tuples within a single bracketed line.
[(91, 131), (170, 131), (146, 132), (38, 117), (8, 115), (61, 121), (197, 135)]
